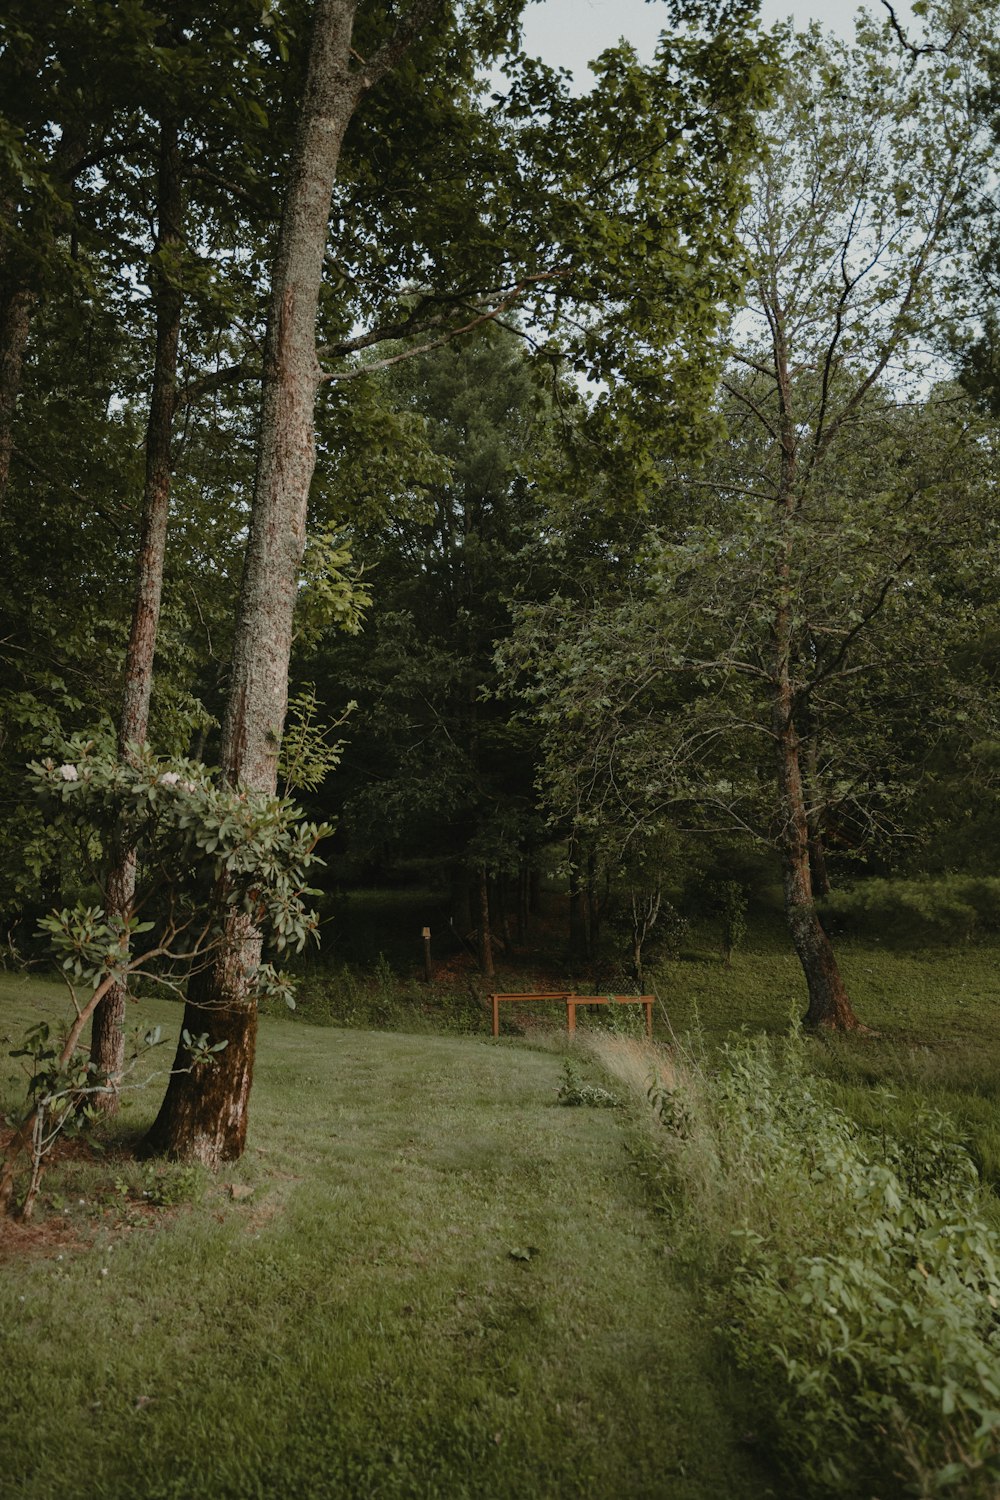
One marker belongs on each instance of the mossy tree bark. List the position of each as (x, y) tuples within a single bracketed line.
[(829, 1003)]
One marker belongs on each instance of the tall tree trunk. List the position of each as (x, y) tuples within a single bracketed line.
[(500, 893), (817, 850), (201, 1117), (107, 1044), (593, 904), (521, 926), (484, 931), (16, 306), (829, 1004)]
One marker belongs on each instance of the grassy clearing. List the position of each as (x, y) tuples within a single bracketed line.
[(935, 1012), (424, 1279)]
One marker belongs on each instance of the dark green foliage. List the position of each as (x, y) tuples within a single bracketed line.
[(435, 767), (890, 1331), (730, 899), (918, 913)]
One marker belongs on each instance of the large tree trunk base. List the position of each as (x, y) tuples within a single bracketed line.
[(838, 1022), (830, 1007), (203, 1117)]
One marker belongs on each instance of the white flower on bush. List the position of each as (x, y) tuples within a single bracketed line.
[(189, 786), (68, 773), (169, 778)]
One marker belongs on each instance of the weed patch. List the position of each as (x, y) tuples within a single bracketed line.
[(855, 1278)]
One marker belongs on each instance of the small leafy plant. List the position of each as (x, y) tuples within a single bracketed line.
[(59, 1098), (574, 1090)]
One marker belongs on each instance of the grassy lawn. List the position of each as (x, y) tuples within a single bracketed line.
[(934, 1012), (425, 1278)]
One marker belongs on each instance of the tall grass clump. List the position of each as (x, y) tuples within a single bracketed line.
[(854, 1276)]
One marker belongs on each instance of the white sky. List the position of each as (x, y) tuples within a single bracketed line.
[(569, 33)]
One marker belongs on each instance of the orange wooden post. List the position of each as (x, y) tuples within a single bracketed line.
[(647, 1006), (496, 1015), (570, 1016)]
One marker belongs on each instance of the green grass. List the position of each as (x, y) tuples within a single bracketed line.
[(934, 1011), (353, 1321), (357, 1324)]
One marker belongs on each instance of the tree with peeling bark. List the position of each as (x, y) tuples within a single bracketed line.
[(107, 1043), (204, 1115), (190, 50), (655, 698), (757, 628)]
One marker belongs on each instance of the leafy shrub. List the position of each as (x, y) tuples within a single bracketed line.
[(952, 909), (204, 853), (873, 1311), (573, 1090), (857, 1280), (729, 900)]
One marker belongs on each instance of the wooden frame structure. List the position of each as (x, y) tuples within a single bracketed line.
[(572, 1001)]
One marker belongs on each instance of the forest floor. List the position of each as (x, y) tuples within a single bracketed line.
[(425, 1278)]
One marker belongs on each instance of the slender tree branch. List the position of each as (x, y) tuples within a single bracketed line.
[(452, 333)]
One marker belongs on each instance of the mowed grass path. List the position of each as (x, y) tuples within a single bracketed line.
[(358, 1325)]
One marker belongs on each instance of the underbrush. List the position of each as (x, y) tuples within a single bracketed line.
[(855, 1276), (377, 997)]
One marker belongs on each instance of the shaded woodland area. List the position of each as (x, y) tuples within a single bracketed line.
[(582, 491)]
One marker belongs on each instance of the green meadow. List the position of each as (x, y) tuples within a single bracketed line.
[(428, 1278), (425, 1278)]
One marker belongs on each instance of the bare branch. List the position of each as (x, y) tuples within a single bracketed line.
[(908, 46), (489, 316), (213, 380), (748, 401)]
